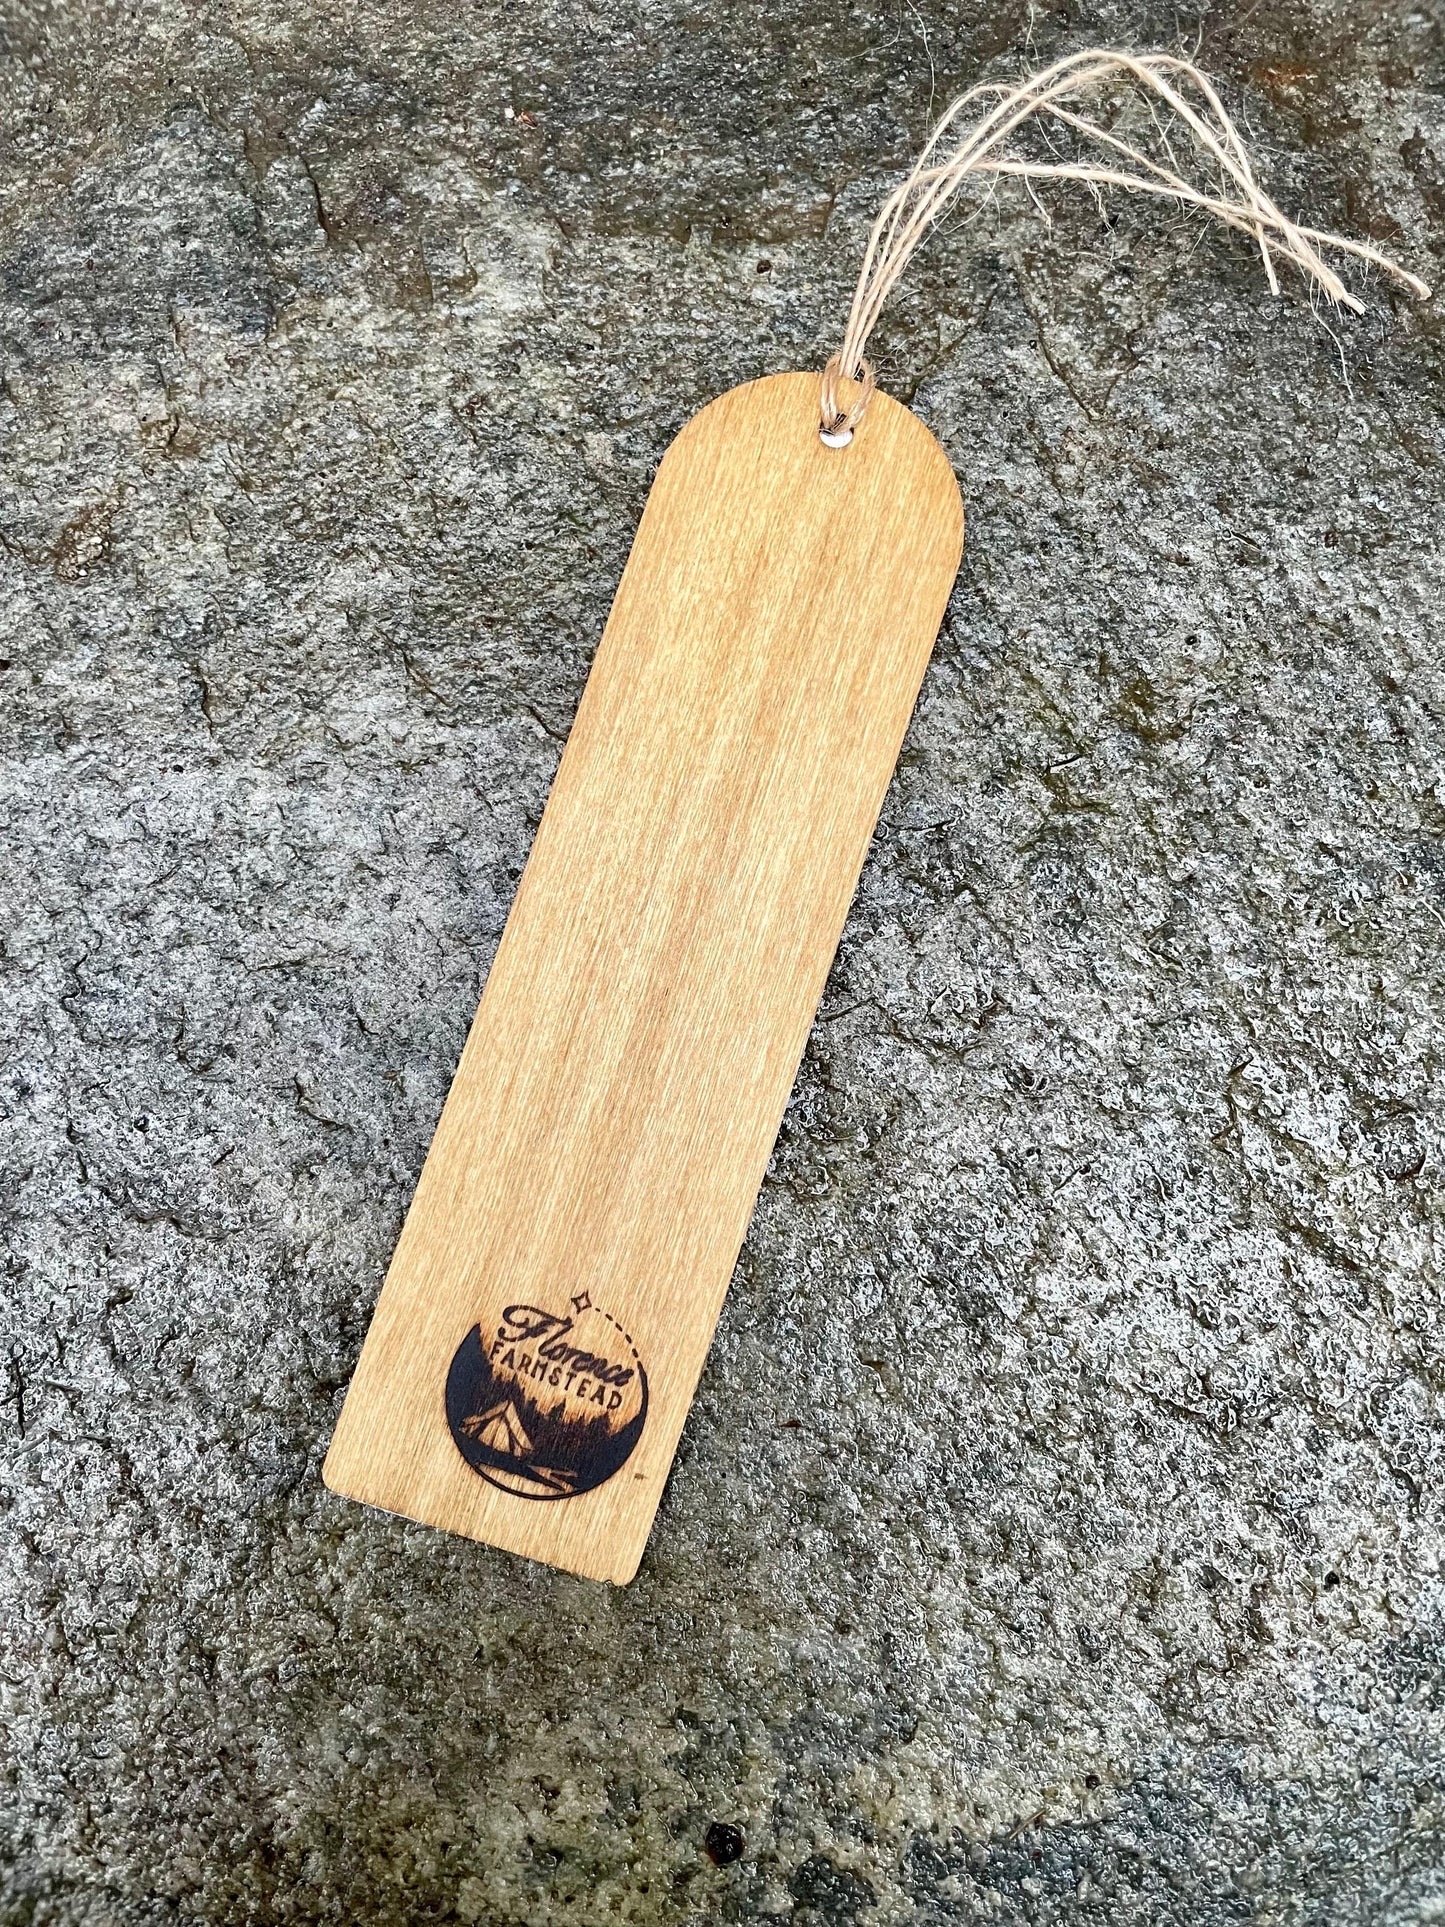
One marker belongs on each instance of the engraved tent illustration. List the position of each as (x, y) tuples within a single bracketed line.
[(502, 1430)]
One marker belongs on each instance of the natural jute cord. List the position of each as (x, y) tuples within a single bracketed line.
[(1057, 97)]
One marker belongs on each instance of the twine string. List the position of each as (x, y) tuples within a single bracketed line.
[(1061, 95)]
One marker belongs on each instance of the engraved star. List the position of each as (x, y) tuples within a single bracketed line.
[(581, 1302)]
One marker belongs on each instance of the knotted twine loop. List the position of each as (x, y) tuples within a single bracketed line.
[(1055, 96), (838, 421)]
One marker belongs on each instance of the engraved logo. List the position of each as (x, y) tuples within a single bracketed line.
[(546, 1404)]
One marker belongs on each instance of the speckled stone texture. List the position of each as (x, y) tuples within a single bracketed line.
[(1057, 1534)]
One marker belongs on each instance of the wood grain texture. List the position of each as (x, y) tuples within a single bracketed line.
[(610, 1122)]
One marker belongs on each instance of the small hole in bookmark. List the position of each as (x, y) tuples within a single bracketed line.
[(835, 437)]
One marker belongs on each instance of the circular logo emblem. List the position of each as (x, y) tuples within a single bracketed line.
[(547, 1403)]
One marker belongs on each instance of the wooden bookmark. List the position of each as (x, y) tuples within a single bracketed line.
[(557, 1281), (556, 1285)]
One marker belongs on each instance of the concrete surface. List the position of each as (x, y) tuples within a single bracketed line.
[(1057, 1534)]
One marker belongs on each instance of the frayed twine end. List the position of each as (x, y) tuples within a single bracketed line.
[(1055, 97)]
